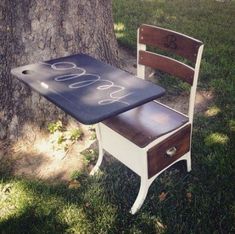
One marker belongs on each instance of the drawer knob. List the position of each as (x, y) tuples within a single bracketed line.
[(171, 152)]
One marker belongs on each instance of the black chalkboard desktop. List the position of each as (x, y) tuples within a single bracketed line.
[(87, 89)]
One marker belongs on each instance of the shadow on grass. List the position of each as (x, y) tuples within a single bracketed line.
[(194, 202), (100, 205), (28, 221)]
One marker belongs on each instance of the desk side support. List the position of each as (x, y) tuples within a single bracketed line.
[(101, 150), (127, 154)]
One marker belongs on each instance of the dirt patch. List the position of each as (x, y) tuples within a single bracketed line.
[(181, 102), (35, 157)]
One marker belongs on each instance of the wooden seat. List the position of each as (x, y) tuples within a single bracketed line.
[(146, 123), (152, 137)]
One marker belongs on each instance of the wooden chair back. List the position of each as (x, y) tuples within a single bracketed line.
[(175, 43)]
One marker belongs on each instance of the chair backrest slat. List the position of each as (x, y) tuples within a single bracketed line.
[(168, 65), (168, 40), (176, 43)]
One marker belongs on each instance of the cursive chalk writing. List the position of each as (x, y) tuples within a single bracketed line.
[(115, 96)]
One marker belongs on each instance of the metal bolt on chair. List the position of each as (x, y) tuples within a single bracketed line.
[(152, 137)]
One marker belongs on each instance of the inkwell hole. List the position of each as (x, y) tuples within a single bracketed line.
[(27, 72)]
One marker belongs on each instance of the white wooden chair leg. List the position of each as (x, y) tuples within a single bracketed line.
[(144, 186), (101, 151), (99, 161), (188, 162)]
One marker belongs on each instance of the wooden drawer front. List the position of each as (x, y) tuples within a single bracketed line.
[(178, 144)]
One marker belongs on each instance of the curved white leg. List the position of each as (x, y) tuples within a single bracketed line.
[(188, 162), (99, 161), (144, 186), (101, 151)]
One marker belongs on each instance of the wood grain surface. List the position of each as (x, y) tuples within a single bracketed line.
[(168, 65), (157, 157), (170, 41), (146, 123)]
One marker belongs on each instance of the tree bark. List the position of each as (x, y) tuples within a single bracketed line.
[(32, 31)]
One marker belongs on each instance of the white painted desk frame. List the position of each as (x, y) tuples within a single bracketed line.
[(137, 157)]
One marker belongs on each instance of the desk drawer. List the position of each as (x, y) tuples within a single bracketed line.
[(169, 150)]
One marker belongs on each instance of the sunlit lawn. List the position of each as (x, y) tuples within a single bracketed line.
[(199, 202)]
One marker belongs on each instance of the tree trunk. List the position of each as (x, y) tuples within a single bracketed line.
[(32, 31)]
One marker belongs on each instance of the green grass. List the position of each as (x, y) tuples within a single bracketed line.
[(199, 202)]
